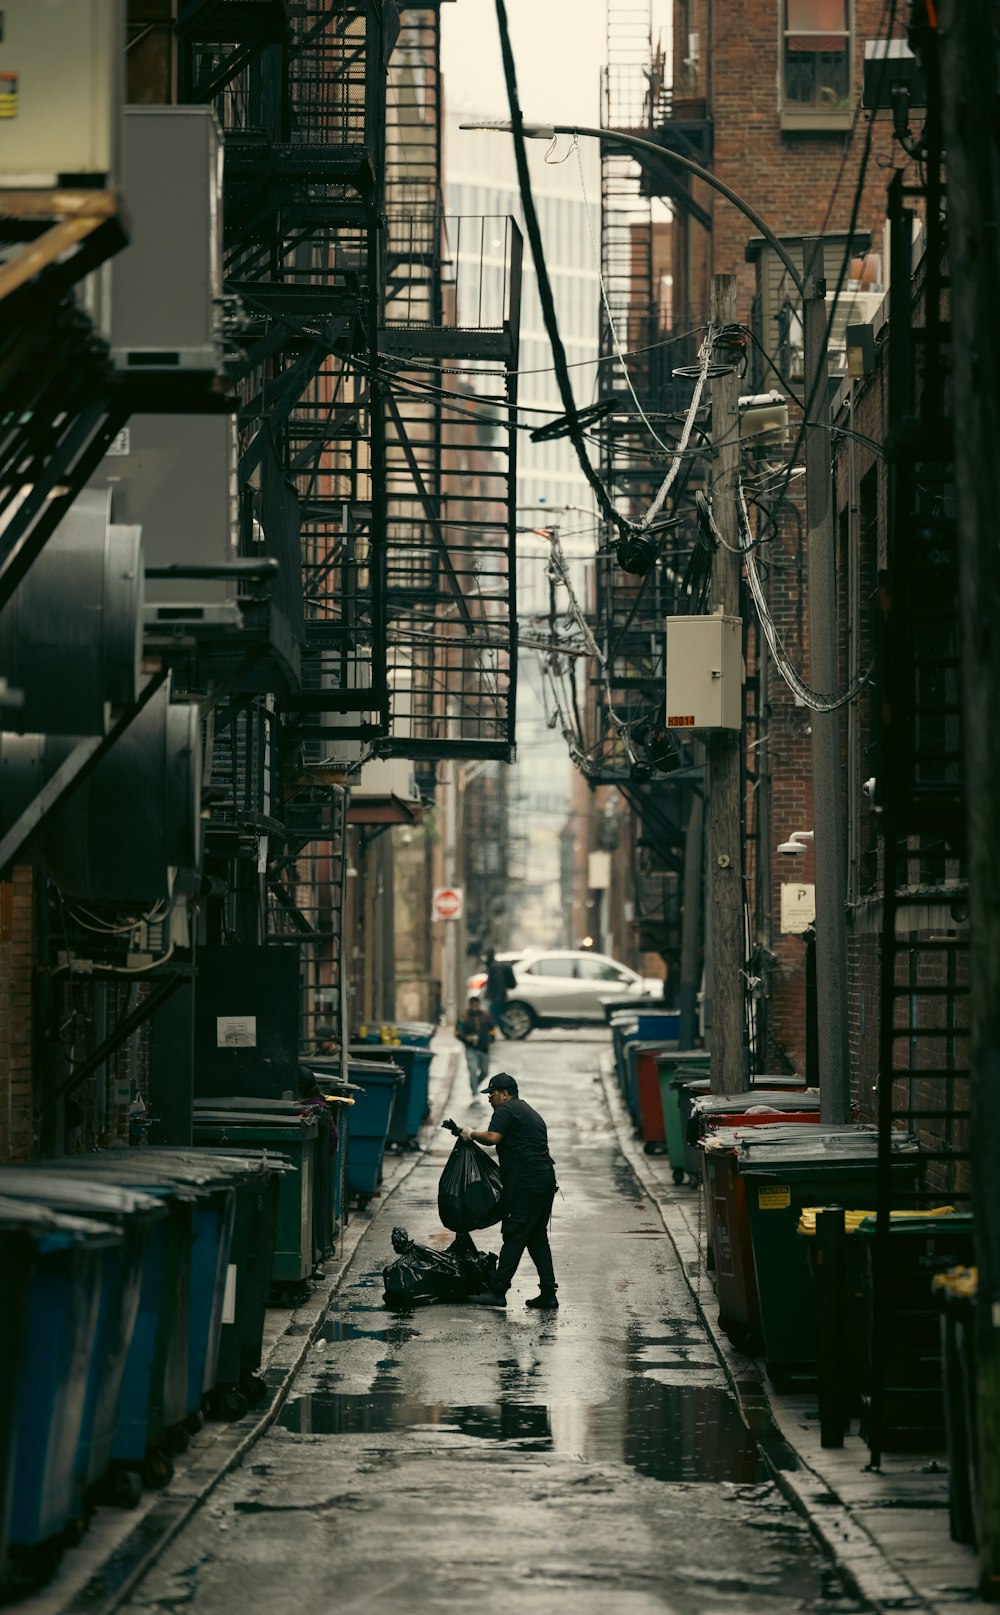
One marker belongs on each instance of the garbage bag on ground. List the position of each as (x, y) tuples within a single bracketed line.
[(470, 1189), (420, 1275)]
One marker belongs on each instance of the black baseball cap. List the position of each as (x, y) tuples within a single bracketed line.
[(503, 1081)]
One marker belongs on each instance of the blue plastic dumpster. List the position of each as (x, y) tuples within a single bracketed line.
[(18, 1261), (255, 1176), (134, 1216), (211, 1239), (369, 1122), (411, 1104), (73, 1262), (419, 1033), (420, 1102)]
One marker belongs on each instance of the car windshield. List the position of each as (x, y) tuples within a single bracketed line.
[(603, 970)]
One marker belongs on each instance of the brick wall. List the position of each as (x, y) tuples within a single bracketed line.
[(793, 180), (16, 935)]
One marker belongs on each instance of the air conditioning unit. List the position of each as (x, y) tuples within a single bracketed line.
[(175, 476), (854, 308), (62, 90), (166, 285), (384, 777)]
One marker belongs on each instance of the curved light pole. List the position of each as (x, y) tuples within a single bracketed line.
[(831, 946), (670, 159)]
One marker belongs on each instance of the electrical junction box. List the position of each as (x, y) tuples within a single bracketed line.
[(175, 477), (704, 672), (62, 91), (166, 285)]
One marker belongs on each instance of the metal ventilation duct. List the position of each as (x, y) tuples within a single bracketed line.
[(71, 634), (132, 833)]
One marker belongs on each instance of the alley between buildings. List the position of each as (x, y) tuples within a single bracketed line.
[(457, 1458)]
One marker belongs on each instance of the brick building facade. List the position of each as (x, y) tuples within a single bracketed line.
[(771, 94)]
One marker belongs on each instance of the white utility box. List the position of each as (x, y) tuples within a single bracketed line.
[(704, 672), (166, 285), (176, 477), (384, 777), (62, 92)]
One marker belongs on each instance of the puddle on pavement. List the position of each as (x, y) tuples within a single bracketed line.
[(672, 1433)]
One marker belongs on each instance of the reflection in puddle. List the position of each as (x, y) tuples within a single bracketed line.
[(669, 1432)]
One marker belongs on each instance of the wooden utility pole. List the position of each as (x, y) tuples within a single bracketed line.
[(724, 840), (969, 32)]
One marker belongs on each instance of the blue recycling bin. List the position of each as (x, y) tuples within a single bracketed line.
[(74, 1258), (369, 1121), (135, 1217), (640, 1026)]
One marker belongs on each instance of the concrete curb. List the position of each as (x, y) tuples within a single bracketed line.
[(858, 1557), (116, 1578)]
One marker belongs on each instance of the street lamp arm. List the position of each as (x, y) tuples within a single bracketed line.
[(548, 131)]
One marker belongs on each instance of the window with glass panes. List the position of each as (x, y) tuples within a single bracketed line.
[(816, 56)]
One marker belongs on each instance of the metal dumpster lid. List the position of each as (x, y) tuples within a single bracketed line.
[(776, 1099), (829, 1148), (32, 1181), (293, 1123), (25, 1216), (139, 1165)]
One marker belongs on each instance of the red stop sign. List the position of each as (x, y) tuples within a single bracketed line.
[(447, 903)]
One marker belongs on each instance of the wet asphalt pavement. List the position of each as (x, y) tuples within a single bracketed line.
[(464, 1459)]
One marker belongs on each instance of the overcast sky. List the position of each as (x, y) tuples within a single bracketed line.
[(558, 53)]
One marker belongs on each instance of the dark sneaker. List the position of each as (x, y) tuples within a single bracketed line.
[(548, 1301), (488, 1298)]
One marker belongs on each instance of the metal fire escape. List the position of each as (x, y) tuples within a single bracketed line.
[(301, 92), (449, 348), (628, 746), (636, 256), (924, 1023)]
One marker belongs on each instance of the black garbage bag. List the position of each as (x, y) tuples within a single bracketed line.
[(420, 1275), (470, 1189)]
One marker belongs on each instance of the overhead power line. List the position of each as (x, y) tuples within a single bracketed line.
[(545, 296)]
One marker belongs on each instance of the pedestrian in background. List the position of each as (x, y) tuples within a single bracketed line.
[(475, 1030), (500, 978), (521, 1140)]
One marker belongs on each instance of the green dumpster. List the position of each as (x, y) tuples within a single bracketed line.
[(281, 1128), (779, 1182), (674, 1068), (913, 1410)]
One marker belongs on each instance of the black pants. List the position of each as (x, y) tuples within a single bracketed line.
[(525, 1228)]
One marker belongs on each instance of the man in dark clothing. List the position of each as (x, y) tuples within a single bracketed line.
[(529, 1187), (500, 978)]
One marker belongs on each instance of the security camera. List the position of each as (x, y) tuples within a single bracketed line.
[(797, 842), (868, 789)]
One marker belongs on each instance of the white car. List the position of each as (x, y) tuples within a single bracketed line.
[(562, 987)]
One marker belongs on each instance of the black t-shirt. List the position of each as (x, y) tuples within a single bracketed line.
[(523, 1150)]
